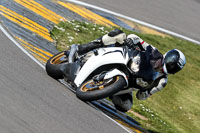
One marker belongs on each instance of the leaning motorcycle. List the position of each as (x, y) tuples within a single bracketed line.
[(103, 72)]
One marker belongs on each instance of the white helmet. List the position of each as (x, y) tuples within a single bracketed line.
[(174, 61)]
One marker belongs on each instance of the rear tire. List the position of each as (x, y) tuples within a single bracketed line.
[(54, 63), (91, 91)]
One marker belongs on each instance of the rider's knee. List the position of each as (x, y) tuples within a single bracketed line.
[(123, 102)]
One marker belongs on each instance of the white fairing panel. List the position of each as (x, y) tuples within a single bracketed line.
[(114, 55), (115, 72)]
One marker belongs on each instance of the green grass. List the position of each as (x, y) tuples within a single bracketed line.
[(175, 109)]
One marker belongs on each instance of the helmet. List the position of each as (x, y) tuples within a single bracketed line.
[(174, 61)]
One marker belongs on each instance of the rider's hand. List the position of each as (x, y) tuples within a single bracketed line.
[(115, 36), (129, 42), (132, 42)]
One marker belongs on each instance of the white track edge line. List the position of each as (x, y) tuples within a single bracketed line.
[(135, 20), (120, 125), (19, 46)]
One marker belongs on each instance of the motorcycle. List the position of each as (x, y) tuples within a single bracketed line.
[(103, 72)]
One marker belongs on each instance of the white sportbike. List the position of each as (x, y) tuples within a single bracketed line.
[(103, 72)]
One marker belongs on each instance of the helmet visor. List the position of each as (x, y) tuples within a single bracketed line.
[(172, 68), (171, 60)]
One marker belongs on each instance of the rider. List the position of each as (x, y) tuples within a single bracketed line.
[(172, 62)]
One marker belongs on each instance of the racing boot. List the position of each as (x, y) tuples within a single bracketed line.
[(123, 102)]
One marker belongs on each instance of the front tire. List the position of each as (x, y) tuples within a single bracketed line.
[(91, 90), (54, 63)]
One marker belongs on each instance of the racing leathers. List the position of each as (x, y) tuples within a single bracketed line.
[(123, 102)]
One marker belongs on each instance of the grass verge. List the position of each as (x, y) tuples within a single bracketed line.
[(176, 109)]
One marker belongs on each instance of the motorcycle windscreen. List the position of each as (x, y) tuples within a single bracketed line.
[(144, 68)]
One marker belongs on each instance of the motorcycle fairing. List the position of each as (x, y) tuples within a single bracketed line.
[(114, 55)]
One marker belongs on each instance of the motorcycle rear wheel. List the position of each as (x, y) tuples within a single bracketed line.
[(91, 90), (54, 63)]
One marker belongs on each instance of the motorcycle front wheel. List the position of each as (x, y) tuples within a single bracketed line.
[(92, 90), (54, 63)]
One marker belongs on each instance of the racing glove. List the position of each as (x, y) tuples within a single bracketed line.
[(113, 37), (136, 39), (129, 42), (136, 42)]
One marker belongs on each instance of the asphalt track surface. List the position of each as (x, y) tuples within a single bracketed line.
[(33, 102), (180, 16)]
